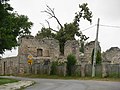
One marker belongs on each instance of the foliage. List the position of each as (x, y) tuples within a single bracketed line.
[(53, 68), (71, 61), (82, 47), (68, 31), (45, 33), (12, 26), (98, 57)]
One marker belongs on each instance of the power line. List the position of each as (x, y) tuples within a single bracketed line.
[(110, 26), (101, 25), (89, 28)]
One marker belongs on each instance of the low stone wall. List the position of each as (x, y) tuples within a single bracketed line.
[(9, 66), (112, 70), (40, 69), (76, 70), (46, 69), (103, 70), (61, 70)]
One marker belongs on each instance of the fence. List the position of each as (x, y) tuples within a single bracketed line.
[(76, 70), (106, 70), (103, 70), (40, 69), (113, 70)]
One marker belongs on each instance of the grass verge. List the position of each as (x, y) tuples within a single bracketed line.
[(70, 77), (7, 80)]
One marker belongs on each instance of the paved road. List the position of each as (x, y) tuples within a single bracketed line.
[(47, 84), (51, 84)]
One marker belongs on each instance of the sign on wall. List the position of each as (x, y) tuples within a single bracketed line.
[(30, 61), (30, 56)]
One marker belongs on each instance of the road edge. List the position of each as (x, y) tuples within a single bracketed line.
[(17, 85)]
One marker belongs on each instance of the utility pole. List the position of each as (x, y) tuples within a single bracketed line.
[(95, 50)]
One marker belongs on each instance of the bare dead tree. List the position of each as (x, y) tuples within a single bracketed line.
[(52, 14), (50, 27)]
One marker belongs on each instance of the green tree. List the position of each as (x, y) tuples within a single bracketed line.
[(45, 33), (12, 26), (69, 30), (71, 61), (98, 57)]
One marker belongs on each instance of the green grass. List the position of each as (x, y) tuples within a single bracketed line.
[(7, 80), (71, 77)]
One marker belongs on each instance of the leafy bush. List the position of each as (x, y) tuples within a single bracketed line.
[(53, 68), (71, 60)]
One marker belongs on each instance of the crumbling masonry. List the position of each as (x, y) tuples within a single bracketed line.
[(34, 52)]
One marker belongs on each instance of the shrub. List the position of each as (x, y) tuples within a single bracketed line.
[(53, 68), (71, 60)]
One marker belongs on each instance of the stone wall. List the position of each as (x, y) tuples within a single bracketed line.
[(9, 66), (112, 55), (39, 47), (88, 51), (41, 50), (72, 47)]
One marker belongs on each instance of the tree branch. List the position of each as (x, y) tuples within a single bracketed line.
[(50, 27), (52, 14), (42, 25)]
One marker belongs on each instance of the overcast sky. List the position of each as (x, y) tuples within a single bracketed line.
[(107, 10)]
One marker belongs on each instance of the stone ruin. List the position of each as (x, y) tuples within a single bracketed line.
[(38, 51), (88, 49), (43, 51), (112, 56)]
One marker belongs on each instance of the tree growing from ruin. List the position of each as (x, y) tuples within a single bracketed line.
[(12, 25), (45, 32), (98, 57), (68, 31)]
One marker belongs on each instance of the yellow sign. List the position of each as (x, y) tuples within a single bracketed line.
[(30, 62), (30, 56)]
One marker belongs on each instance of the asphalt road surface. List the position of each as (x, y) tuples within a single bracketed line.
[(50, 84), (56, 84)]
